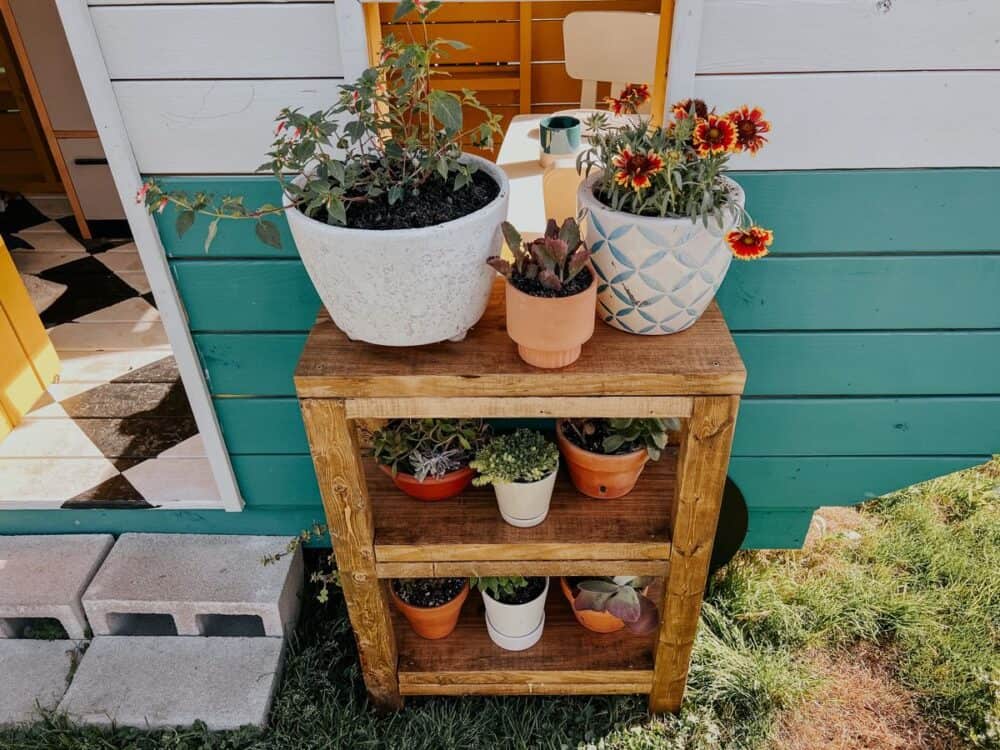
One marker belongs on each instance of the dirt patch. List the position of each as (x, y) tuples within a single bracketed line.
[(859, 706), (834, 521)]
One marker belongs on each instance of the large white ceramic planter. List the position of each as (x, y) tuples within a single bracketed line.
[(516, 627), (655, 275), (525, 504), (405, 287)]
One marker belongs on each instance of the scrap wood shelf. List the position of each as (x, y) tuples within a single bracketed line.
[(664, 527)]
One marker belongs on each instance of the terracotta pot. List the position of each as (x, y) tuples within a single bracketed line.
[(598, 475), (432, 489), (551, 331), (599, 622), (432, 622)]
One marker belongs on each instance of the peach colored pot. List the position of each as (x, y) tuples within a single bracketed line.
[(599, 622), (600, 476), (432, 622), (432, 489), (551, 331)]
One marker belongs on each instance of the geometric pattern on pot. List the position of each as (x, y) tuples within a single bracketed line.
[(655, 275)]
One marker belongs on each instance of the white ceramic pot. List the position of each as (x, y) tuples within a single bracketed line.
[(525, 504), (405, 287), (515, 627), (655, 275)]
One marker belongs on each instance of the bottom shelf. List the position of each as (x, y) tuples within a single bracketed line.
[(567, 660)]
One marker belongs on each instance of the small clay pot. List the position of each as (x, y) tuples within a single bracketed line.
[(432, 623), (550, 331), (598, 475), (431, 489), (599, 622)]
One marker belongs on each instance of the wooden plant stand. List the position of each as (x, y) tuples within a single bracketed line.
[(665, 527)]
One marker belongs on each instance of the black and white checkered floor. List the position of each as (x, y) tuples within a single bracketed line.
[(116, 429)]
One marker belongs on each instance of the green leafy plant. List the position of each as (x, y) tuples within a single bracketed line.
[(553, 259), (621, 597), (614, 435), (387, 136), (428, 447), (326, 574), (497, 587), (521, 456)]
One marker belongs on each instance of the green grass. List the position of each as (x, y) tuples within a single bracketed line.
[(922, 582)]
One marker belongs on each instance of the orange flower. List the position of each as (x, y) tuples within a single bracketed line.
[(714, 135), (633, 96), (750, 244), (683, 108), (635, 170), (750, 127)]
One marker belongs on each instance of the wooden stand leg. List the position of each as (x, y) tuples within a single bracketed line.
[(337, 456), (706, 439)]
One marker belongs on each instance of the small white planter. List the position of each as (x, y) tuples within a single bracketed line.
[(525, 504), (655, 275), (405, 287), (515, 627)]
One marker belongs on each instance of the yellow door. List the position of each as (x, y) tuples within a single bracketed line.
[(28, 361)]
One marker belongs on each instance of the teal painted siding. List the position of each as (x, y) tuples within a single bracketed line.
[(871, 337)]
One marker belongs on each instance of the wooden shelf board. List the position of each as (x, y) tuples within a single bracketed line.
[(469, 528), (567, 660), (702, 360)]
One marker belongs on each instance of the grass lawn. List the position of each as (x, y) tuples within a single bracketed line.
[(884, 633)]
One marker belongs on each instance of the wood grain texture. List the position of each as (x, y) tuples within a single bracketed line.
[(447, 568), (469, 528), (701, 474), (336, 454), (554, 407), (702, 359)]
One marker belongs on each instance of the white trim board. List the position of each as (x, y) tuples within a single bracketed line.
[(89, 60)]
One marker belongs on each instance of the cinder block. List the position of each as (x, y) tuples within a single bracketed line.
[(153, 682), (208, 584), (33, 677), (45, 576)]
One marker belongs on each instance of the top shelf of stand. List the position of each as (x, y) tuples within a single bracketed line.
[(702, 360)]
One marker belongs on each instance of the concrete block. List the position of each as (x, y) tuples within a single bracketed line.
[(208, 584), (33, 677), (153, 682), (45, 576)]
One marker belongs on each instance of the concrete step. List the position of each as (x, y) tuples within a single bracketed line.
[(174, 681), (43, 577), (33, 676), (191, 584)]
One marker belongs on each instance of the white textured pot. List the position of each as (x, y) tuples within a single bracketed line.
[(405, 287), (655, 275), (516, 627), (525, 504)]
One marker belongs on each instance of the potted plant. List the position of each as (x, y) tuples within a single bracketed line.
[(662, 220), (515, 609), (429, 458), (551, 294), (522, 468), (430, 605), (393, 222), (606, 456), (606, 605)]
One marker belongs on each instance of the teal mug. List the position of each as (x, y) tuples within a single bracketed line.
[(559, 135)]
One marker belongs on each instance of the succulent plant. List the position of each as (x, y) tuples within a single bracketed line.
[(498, 586), (621, 597), (428, 447), (521, 456), (553, 259), (618, 432)]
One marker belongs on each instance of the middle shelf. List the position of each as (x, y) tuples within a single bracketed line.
[(467, 536)]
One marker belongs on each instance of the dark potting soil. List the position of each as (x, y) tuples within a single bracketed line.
[(429, 592), (595, 443), (577, 284), (436, 203), (524, 594)]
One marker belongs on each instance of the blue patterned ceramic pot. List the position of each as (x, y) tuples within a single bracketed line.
[(655, 275)]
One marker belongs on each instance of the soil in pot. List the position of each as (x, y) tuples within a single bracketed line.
[(577, 284), (429, 592), (524, 594), (436, 203), (595, 443), (431, 605)]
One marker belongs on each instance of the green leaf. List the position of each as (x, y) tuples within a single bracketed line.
[(395, 194), (337, 211), (446, 108), (185, 220), (267, 232), (213, 229)]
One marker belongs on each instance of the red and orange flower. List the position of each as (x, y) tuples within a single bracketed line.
[(683, 108), (633, 96), (714, 135), (750, 128), (635, 170), (751, 243)]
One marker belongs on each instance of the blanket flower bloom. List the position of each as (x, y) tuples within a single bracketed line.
[(633, 96), (714, 135), (634, 170), (751, 243), (750, 128)]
